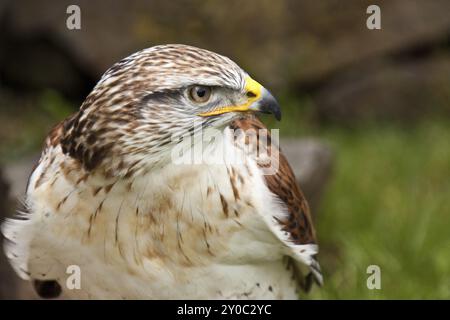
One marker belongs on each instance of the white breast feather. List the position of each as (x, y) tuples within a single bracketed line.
[(132, 254)]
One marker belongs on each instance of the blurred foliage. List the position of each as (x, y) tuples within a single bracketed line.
[(23, 129), (54, 105), (387, 205)]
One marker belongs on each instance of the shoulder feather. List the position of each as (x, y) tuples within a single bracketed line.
[(296, 226)]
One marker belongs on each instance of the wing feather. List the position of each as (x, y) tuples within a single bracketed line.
[(295, 228)]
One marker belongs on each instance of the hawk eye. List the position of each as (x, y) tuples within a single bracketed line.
[(199, 94)]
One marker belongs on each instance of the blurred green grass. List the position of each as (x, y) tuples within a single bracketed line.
[(388, 204), (24, 124)]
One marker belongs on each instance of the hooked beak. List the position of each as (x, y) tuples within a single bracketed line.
[(259, 99)]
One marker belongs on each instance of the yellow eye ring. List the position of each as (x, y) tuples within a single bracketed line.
[(199, 94)]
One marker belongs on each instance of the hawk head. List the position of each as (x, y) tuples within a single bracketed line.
[(145, 100)]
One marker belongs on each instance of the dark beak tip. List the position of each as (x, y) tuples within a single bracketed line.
[(274, 108), (268, 104), (278, 115)]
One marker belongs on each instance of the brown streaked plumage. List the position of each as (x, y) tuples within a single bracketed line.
[(152, 192), (299, 223)]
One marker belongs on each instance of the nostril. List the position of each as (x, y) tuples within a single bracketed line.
[(251, 94)]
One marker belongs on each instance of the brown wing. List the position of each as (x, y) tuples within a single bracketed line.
[(297, 224)]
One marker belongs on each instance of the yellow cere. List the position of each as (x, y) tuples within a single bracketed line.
[(251, 86)]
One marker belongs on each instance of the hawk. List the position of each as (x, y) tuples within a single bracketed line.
[(110, 196)]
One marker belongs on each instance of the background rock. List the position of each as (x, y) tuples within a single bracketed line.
[(406, 90), (312, 162)]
